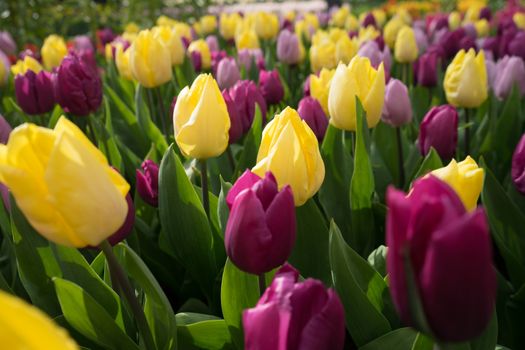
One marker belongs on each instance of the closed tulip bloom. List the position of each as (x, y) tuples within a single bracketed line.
[(5, 130), (26, 327), (518, 166), (516, 46), (510, 71), (449, 252), (228, 24), (34, 92), (339, 16), (322, 56), (227, 73), (208, 24), (397, 109), (465, 177), (320, 87), (5, 67), (465, 81), (289, 149), (247, 57), (122, 58), (78, 88), (247, 40), (216, 58), (213, 43), (288, 48), (406, 50), (260, 232), (421, 40), (391, 31), (266, 25), (201, 120), (7, 43), (312, 113), (53, 51), (150, 60), (369, 20), (236, 122), (519, 20), (345, 49), (439, 129), (297, 315), (426, 69), (28, 63), (201, 47), (454, 20), (482, 28), (72, 177), (371, 50), (241, 100), (271, 86), (148, 182), (358, 79), (172, 41), (83, 42)]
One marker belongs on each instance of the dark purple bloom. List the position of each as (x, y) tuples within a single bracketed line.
[(485, 13), (426, 69), (439, 129), (369, 20), (271, 86), (236, 123), (196, 60), (245, 95), (34, 92), (516, 46), (105, 36), (312, 113), (148, 182)]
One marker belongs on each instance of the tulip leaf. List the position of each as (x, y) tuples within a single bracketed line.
[(384, 137), (362, 189), (223, 211), (252, 141), (431, 162), (36, 262), (378, 259), (488, 339), (400, 339), (145, 122), (310, 253), (55, 116), (210, 334), (423, 342), (185, 227), (506, 222), (88, 317), (239, 291), (333, 193), (361, 290), (187, 318)]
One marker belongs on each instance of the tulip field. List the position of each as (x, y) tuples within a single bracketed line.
[(184, 175)]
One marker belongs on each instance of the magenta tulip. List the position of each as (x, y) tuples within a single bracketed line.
[(439, 129), (271, 86), (312, 113), (34, 92), (148, 182)]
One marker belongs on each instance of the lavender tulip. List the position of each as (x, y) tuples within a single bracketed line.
[(213, 42), (426, 69), (510, 71), (271, 86), (421, 40), (439, 129), (241, 100), (246, 57), (516, 46), (397, 109), (371, 50), (148, 182), (7, 43), (34, 92), (312, 113), (288, 49), (227, 73)]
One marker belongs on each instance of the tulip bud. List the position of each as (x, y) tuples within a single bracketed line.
[(122, 58), (406, 49), (247, 39), (271, 87), (216, 58), (319, 86), (397, 109), (421, 40), (298, 315), (358, 79), (465, 81), (345, 49), (322, 55), (247, 57), (454, 20), (426, 69), (228, 24), (288, 48), (34, 92), (53, 51), (148, 182), (236, 128), (201, 48), (518, 166), (7, 43), (516, 46), (208, 24), (371, 50), (509, 71), (300, 166), (485, 13), (260, 232), (448, 250), (78, 88), (105, 36), (227, 73), (201, 121), (312, 113), (439, 129), (369, 20), (391, 31), (212, 42), (28, 63), (172, 41), (266, 25)]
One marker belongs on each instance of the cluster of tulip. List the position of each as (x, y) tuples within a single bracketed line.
[(261, 181)]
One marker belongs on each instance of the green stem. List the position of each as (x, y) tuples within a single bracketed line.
[(231, 160), (91, 128), (204, 184), (400, 161), (262, 283), (467, 132), (162, 112), (129, 294)]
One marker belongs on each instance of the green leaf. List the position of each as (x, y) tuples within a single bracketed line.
[(361, 290), (488, 339), (222, 208), (55, 116), (252, 141), (400, 339), (187, 318), (423, 342), (384, 137), (239, 291), (144, 119), (107, 137), (378, 259), (88, 317), (212, 335), (310, 253), (431, 162), (185, 225)]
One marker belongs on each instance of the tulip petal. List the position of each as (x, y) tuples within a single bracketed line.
[(246, 180)]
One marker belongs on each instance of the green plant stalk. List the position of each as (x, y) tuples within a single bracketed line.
[(204, 185), (119, 274), (162, 112), (400, 160)]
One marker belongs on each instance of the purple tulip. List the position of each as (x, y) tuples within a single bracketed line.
[(369, 20), (5, 131), (491, 73), (421, 40), (83, 42), (216, 58), (105, 36), (323, 18), (397, 109), (467, 42), (227, 73), (236, 127), (7, 44), (213, 42), (295, 315), (125, 230), (380, 41), (148, 182), (516, 46), (371, 50), (449, 253), (470, 30), (260, 232), (451, 42), (490, 44), (271, 86), (439, 129), (312, 113), (78, 88), (306, 86), (518, 166), (288, 49), (34, 92), (246, 57), (196, 60), (426, 69), (485, 13), (245, 96), (510, 71)]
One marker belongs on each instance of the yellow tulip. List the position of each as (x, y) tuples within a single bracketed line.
[(28, 63), (320, 36), (391, 30), (228, 25), (53, 51), (406, 47), (63, 184), (465, 81), (208, 24), (312, 20), (379, 16), (320, 86), (108, 52), (482, 28), (289, 149), (351, 23), (339, 17), (472, 14), (203, 49), (247, 40), (366, 34), (465, 177), (201, 120), (464, 5), (3, 74), (122, 62), (303, 30), (24, 327), (197, 28), (129, 37), (345, 49), (166, 21), (454, 20), (150, 60), (290, 15), (322, 56), (403, 15), (266, 25), (359, 79), (336, 33), (169, 38), (132, 28), (519, 20), (183, 30)]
